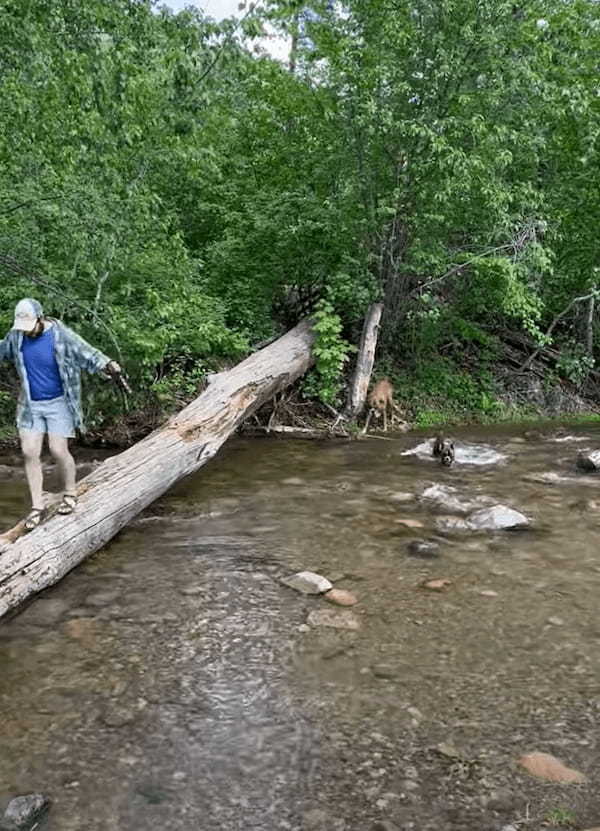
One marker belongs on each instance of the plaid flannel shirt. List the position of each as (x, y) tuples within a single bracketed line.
[(72, 354)]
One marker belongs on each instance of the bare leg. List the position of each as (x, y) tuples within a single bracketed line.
[(31, 445), (59, 447)]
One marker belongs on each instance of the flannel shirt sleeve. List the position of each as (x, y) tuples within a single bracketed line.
[(86, 356)]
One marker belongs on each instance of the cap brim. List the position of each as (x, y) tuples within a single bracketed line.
[(25, 324)]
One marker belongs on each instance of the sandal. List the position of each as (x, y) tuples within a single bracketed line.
[(33, 518), (68, 504)]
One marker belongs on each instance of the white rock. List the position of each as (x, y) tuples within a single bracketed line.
[(497, 518), (307, 582), (447, 497)]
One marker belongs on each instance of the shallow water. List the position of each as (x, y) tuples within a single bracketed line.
[(171, 682)]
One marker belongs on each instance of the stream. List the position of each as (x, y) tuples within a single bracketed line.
[(171, 681)]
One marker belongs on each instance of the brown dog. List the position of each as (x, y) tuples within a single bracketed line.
[(381, 398)]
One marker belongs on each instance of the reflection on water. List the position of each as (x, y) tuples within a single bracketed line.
[(171, 682)]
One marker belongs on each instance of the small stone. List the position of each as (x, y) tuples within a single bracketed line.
[(315, 819), (425, 549), (304, 627), (401, 496), (335, 619), (415, 713), (437, 585), (341, 597), (336, 576), (384, 671), (409, 785), (384, 825), (22, 811), (102, 598), (119, 716), (191, 591), (488, 593), (44, 611), (293, 480), (448, 750), (556, 621), (546, 766), (81, 628), (410, 523), (307, 582)]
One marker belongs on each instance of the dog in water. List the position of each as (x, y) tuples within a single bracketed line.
[(444, 450)]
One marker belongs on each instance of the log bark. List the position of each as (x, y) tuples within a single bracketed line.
[(365, 360), (126, 484)]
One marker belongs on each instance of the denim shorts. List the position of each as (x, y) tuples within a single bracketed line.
[(52, 416)]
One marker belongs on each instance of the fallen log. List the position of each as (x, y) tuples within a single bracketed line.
[(126, 484)]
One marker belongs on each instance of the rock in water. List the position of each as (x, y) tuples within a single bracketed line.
[(307, 582), (341, 597), (589, 462), (497, 518), (425, 549), (446, 497), (545, 766), (335, 619), (23, 811)]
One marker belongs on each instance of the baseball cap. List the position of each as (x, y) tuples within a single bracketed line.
[(27, 312)]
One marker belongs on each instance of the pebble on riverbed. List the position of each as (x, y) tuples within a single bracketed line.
[(334, 619), (22, 811), (341, 597), (307, 582), (439, 584)]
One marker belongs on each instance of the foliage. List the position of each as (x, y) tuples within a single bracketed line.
[(164, 183), (331, 353)]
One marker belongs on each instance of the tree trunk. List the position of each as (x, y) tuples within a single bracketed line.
[(126, 484), (365, 360)]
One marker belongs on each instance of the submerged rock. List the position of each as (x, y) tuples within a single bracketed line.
[(425, 549), (589, 462), (447, 498), (497, 518), (337, 620), (23, 811), (45, 611), (545, 766), (307, 582)]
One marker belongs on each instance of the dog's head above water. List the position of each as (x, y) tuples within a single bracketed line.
[(444, 451)]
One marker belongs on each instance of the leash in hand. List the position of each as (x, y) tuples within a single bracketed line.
[(117, 375)]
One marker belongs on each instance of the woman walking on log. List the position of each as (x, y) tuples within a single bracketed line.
[(49, 357)]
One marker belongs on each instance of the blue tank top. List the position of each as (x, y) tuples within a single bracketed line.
[(42, 369)]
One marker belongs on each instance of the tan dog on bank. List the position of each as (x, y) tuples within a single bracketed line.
[(381, 398), (381, 401)]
